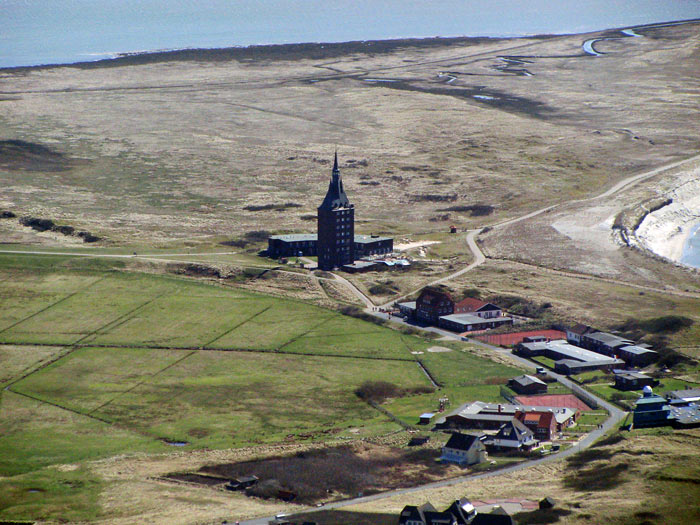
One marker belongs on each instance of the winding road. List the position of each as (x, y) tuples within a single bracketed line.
[(616, 415)]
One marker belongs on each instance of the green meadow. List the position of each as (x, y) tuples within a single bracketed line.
[(97, 361)]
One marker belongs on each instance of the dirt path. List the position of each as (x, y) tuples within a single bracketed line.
[(620, 187)]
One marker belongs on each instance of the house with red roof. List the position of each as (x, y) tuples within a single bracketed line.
[(542, 424), (477, 307), (576, 333)]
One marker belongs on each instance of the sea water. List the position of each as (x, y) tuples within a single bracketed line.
[(34, 32), (691, 250)]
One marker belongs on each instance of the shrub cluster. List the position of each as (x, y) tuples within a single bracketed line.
[(277, 207), (667, 324), (252, 237), (475, 210), (379, 391), (42, 225), (432, 197), (355, 311), (519, 305)]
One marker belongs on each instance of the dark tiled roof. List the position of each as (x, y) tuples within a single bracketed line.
[(526, 380), (335, 197), (461, 441), (492, 519), (514, 430), (581, 329), (607, 338)]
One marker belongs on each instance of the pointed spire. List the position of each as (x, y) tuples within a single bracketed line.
[(335, 198)]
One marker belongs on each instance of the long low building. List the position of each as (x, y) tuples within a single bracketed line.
[(491, 416), (468, 322), (568, 359), (293, 244), (690, 395), (636, 355), (613, 345)]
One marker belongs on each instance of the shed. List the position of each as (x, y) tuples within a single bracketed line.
[(425, 418), (527, 384), (547, 503), (417, 441), (625, 380)]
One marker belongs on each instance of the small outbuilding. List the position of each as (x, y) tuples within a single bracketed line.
[(425, 418), (625, 380), (547, 503), (528, 385)]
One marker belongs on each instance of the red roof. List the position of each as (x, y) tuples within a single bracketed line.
[(470, 304), (545, 419), (581, 329), (541, 419)]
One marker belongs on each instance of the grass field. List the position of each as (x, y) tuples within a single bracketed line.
[(463, 376), (101, 362)]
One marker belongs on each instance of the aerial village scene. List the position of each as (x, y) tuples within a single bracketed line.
[(368, 263)]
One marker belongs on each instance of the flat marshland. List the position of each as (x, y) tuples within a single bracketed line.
[(123, 371)]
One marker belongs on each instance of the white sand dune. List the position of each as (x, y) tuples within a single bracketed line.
[(666, 231)]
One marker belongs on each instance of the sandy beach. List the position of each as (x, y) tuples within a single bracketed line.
[(666, 231)]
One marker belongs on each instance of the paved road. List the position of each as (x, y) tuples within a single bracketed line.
[(616, 417), (479, 257), (616, 414)]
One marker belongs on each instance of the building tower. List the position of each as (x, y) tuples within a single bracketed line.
[(336, 225)]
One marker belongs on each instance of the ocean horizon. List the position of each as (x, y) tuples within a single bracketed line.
[(48, 32)]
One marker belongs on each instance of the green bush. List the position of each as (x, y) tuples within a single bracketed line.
[(667, 324)]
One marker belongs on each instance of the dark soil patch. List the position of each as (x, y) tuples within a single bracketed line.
[(199, 479), (475, 210), (495, 99), (540, 516), (610, 440), (334, 517), (288, 52), (29, 156), (333, 473), (276, 207), (597, 477)]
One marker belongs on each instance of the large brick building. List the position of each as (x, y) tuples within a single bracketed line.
[(433, 303), (335, 242), (336, 225)]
